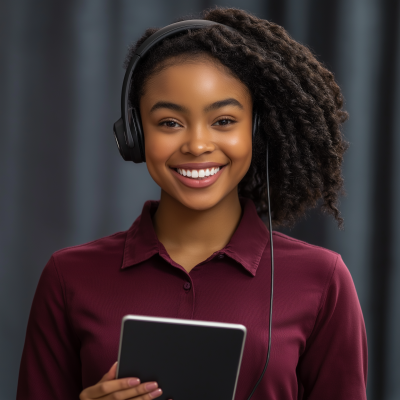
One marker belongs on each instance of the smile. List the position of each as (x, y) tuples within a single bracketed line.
[(198, 178), (198, 173)]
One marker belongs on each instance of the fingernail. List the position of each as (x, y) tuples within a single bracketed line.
[(155, 394), (151, 386), (133, 382)]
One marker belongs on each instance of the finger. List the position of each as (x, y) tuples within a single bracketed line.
[(113, 370), (111, 373), (148, 396), (103, 388), (145, 391)]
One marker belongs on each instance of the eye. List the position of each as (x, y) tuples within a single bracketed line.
[(169, 123), (225, 121)]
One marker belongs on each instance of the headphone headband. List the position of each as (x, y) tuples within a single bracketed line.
[(128, 130)]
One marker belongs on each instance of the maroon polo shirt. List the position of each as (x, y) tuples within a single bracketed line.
[(319, 344)]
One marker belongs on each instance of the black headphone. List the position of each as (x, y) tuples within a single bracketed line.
[(128, 130)]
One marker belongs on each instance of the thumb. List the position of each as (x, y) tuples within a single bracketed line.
[(111, 374)]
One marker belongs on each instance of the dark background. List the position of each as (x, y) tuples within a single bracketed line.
[(63, 182)]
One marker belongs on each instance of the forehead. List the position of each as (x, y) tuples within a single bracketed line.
[(199, 75)]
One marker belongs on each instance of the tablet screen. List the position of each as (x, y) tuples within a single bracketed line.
[(189, 359)]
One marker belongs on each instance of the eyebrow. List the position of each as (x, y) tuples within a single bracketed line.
[(214, 106)]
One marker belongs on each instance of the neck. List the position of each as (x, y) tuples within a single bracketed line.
[(178, 226)]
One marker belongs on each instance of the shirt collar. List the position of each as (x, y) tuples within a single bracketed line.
[(246, 245)]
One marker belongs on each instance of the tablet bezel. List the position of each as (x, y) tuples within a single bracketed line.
[(191, 322)]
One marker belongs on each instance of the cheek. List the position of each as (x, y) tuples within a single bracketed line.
[(239, 151), (159, 149)]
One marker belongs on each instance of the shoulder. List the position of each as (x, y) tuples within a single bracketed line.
[(91, 257), (311, 264), (298, 248)]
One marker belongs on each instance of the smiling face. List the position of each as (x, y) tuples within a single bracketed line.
[(197, 122)]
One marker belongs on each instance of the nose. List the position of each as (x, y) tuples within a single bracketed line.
[(198, 141)]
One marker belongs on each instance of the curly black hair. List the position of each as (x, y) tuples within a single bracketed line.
[(297, 99)]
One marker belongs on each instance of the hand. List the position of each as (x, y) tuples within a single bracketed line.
[(109, 388)]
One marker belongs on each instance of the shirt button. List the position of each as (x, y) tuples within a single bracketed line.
[(221, 255), (187, 285)]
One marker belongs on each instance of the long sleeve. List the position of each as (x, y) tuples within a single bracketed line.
[(50, 365), (334, 363)]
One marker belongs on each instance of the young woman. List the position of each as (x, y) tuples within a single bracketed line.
[(202, 252)]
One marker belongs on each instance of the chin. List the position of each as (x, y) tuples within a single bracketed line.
[(199, 203)]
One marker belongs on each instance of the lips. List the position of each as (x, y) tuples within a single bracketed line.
[(198, 175), (203, 165)]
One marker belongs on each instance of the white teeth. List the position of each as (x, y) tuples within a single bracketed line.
[(194, 173)]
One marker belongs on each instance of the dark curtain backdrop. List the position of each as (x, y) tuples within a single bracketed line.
[(64, 183)]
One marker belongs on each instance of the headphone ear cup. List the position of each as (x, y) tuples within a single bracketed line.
[(129, 143), (132, 137), (139, 134), (120, 139)]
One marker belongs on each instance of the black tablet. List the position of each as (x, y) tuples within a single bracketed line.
[(189, 359)]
